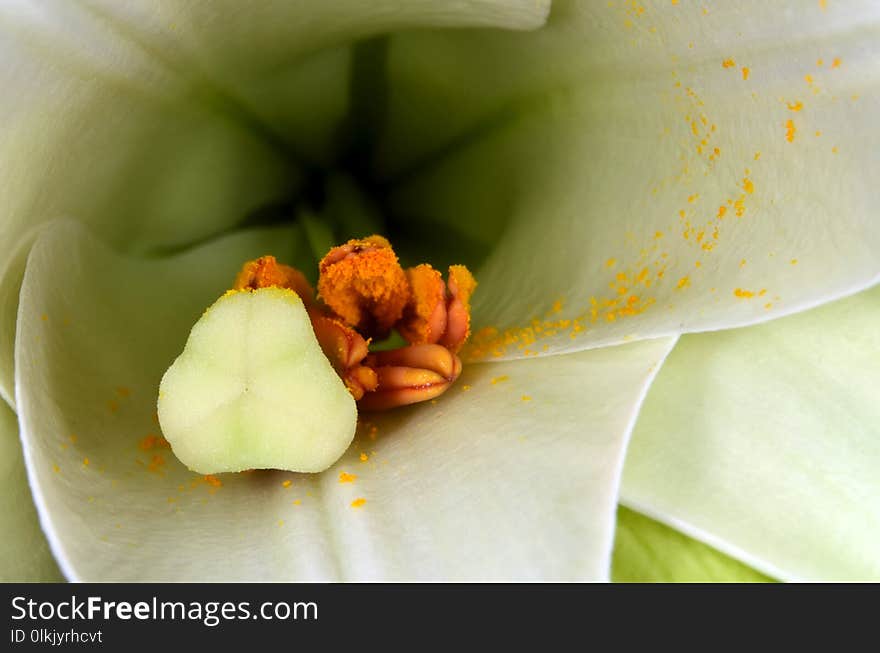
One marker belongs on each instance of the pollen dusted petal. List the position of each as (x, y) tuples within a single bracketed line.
[(363, 283), (424, 318), (461, 285)]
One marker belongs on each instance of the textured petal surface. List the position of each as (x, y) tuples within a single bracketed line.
[(24, 553), (765, 443), (646, 551), (512, 474), (651, 167)]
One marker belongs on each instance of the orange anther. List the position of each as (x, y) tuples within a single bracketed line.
[(266, 272), (424, 318), (345, 349), (429, 357), (410, 375), (401, 386), (461, 285), (362, 282)]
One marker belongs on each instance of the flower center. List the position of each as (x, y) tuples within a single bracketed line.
[(364, 293)]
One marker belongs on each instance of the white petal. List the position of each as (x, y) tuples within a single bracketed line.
[(765, 443), (585, 153), (24, 553), (512, 474)]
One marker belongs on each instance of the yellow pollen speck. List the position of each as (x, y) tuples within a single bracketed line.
[(818, 132), (683, 282), (364, 457), (721, 211), (357, 503), (287, 483), (790, 130), (742, 263), (280, 523), (499, 379), (743, 294), (836, 62), (748, 186), (86, 462), (745, 72), (156, 464), (820, 62), (610, 263), (793, 261), (834, 150), (347, 478), (151, 441), (757, 156), (466, 387), (728, 63), (297, 502), (808, 79), (526, 398), (693, 198), (56, 468), (213, 481), (795, 106), (44, 317)]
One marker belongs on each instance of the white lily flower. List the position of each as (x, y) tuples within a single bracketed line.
[(625, 172)]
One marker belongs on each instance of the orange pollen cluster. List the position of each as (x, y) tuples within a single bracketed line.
[(363, 283), (363, 293)]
